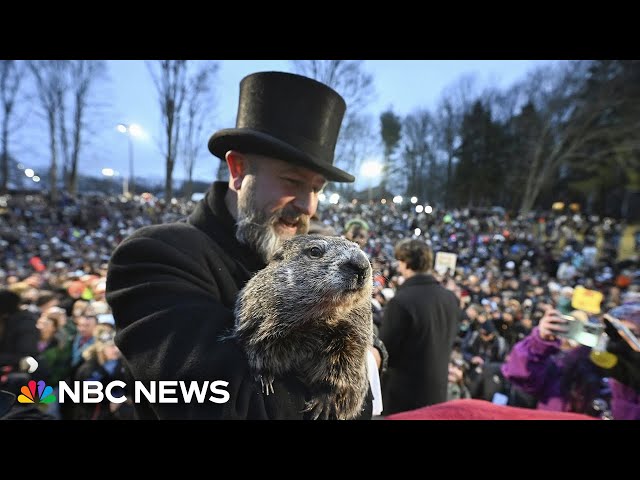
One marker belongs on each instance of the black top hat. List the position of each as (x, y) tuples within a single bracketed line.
[(289, 117)]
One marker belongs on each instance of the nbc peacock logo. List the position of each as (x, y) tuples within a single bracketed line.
[(44, 393)]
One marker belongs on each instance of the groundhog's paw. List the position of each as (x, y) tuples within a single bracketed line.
[(321, 407), (266, 383)]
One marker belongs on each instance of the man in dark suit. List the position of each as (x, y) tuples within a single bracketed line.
[(172, 288), (419, 327)]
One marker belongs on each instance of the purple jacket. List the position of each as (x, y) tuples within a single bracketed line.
[(534, 367)]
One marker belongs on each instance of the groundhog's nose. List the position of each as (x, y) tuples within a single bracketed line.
[(358, 266)]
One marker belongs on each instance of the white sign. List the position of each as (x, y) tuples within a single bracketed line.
[(445, 261)]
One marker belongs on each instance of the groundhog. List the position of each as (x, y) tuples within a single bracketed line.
[(309, 313)]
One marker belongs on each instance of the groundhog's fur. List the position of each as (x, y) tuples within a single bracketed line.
[(309, 313)]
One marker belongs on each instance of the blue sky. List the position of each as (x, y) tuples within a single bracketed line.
[(129, 96)]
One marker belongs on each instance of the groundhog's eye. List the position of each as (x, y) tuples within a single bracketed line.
[(315, 252)]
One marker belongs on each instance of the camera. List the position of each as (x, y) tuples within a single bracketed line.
[(584, 333)]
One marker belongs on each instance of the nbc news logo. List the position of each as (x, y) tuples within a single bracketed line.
[(44, 393)]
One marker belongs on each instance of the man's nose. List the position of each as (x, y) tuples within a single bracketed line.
[(306, 203)]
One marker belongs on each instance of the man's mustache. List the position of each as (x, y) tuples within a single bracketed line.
[(301, 221)]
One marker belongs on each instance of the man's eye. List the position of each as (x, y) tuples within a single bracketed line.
[(315, 252)]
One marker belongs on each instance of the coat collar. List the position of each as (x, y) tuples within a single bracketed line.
[(213, 218), (420, 279)]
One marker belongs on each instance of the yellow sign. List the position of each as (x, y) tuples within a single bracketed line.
[(586, 300)]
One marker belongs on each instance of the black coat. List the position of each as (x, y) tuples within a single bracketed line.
[(172, 289), (419, 327)]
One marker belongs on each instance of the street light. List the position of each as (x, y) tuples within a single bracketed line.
[(131, 130)]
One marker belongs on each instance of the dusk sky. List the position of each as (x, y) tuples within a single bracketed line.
[(129, 96)]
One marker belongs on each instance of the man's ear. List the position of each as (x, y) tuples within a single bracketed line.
[(238, 168)]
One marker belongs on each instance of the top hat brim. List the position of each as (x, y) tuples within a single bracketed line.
[(246, 140)]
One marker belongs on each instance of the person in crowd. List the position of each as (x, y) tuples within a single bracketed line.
[(419, 327), (484, 350), (54, 348), (83, 339), (562, 376), (357, 230), (457, 387)]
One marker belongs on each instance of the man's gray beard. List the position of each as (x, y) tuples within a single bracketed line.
[(256, 228)]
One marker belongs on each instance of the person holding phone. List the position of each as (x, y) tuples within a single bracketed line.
[(563, 378)]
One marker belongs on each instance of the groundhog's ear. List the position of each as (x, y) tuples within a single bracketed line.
[(279, 255)]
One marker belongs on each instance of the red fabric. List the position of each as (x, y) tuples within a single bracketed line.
[(471, 409)]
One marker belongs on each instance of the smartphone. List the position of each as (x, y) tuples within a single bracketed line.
[(626, 334), (584, 333)]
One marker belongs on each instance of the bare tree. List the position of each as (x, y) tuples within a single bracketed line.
[(59, 91), (349, 79), (50, 79), (419, 154), (170, 79), (200, 102), (454, 102), (83, 75), (11, 74)]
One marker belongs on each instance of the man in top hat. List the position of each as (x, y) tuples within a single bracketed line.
[(172, 288)]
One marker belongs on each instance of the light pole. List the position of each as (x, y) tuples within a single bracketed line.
[(135, 131)]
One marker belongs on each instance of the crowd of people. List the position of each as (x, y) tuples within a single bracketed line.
[(53, 269), (509, 272)]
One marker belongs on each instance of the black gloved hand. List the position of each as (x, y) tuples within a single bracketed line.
[(627, 370)]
